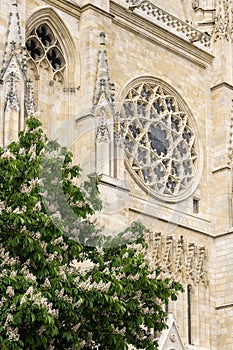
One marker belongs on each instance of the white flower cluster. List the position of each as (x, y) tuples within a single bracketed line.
[(7, 154), (2, 301), (27, 274), (2, 206), (18, 210), (133, 277), (38, 299), (88, 285), (35, 235), (82, 267), (62, 272), (60, 294), (57, 241), (46, 283), (88, 343), (22, 151), (11, 332), (27, 188), (117, 330), (75, 328), (138, 248), (10, 291), (5, 258)]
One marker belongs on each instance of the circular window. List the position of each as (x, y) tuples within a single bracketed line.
[(159, 138)]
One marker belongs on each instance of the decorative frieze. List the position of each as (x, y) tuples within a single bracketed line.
[(183, 260), (161, 17)]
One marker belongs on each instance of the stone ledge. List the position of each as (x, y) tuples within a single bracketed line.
[(224, 306)]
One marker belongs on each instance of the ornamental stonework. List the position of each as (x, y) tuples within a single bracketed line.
[(160, 142), (42, 45)]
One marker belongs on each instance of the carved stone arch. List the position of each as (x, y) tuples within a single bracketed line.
[(48, 16)]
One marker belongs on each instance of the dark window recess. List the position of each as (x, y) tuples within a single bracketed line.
[(195, 206), (54, 58), (189, 311), (34, 49), (44, 35)]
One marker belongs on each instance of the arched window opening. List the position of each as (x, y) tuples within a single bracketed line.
[(43, 45), (189, 311)]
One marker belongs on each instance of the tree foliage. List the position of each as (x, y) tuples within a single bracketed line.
[(61, 285)]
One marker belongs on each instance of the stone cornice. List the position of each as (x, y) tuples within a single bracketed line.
[(157, 34), (66, 6), (74, 9), (222, 84)]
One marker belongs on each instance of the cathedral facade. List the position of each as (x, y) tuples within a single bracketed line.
[(141, 91)]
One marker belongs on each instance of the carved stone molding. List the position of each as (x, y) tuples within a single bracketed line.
[(163, 18)]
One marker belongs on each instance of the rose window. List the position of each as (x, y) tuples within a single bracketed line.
[(159, 139), (43, 45)]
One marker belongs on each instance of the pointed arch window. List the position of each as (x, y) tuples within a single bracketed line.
[(42, 45)]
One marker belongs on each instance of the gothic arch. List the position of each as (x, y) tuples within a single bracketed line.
[(48, 16)]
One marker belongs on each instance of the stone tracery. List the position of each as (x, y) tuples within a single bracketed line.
[(159, 139), (42, 45)]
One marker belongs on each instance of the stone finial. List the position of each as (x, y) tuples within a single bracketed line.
[(14, 38), (103, 86)]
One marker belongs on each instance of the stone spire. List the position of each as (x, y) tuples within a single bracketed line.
[(109, 148), (103, 110), (13, 45), (104, 95), (16, 93), (104, 90)]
